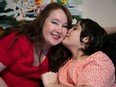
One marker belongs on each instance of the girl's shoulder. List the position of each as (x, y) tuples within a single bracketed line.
[(102, 59), (99, 55)]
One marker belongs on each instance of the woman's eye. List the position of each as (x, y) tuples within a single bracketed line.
[(54, 22), (65, 26)]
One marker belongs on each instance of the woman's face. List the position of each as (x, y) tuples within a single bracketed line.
[(55, 27), (72, 39)]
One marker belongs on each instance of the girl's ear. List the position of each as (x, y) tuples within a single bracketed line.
[(85, 39)]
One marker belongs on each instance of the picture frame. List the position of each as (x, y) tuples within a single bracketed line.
[(13, 12)]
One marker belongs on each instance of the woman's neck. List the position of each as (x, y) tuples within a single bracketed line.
[(42, 48)]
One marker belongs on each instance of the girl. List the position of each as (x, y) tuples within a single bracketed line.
[(88, 65)]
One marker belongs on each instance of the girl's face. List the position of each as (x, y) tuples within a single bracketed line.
[(55, 27), (72, 39)]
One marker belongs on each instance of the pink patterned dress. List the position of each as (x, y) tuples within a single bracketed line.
[(96, 70)]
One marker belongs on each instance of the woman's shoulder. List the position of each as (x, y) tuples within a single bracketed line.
[(14, 35), (20, 40)]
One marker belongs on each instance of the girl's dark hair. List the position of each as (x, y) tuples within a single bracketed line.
[(98, 39), (33, 32), (96, 34)]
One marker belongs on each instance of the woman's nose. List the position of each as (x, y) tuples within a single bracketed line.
[(60, 29)]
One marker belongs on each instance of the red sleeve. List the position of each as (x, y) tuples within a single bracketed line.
[(8, 54)]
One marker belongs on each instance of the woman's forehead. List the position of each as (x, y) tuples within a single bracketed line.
[(58, 15)]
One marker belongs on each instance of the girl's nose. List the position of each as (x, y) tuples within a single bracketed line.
[(68, 33), (70, 30)]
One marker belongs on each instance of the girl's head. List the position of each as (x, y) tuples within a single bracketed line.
[(87, 35), (52, 24), (95, 34)]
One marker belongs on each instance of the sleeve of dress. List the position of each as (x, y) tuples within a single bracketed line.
[(9, 52), (101, 72)]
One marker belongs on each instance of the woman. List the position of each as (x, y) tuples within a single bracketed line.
[(88, 65), (24, 52)]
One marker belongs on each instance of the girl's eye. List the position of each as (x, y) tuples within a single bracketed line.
[(74, 28)]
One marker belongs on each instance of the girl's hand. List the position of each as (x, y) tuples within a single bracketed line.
[(49, 78)]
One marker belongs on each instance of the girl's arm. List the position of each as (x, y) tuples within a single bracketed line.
[(50, 80)]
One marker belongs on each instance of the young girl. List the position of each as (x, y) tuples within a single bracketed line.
[(88, 64)]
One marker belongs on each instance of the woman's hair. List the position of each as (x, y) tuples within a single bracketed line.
[(96, 34), (33, 32)]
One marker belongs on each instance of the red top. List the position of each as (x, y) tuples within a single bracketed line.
[(19, 60)]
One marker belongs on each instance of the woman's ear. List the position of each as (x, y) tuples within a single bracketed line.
[(85, 39)]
